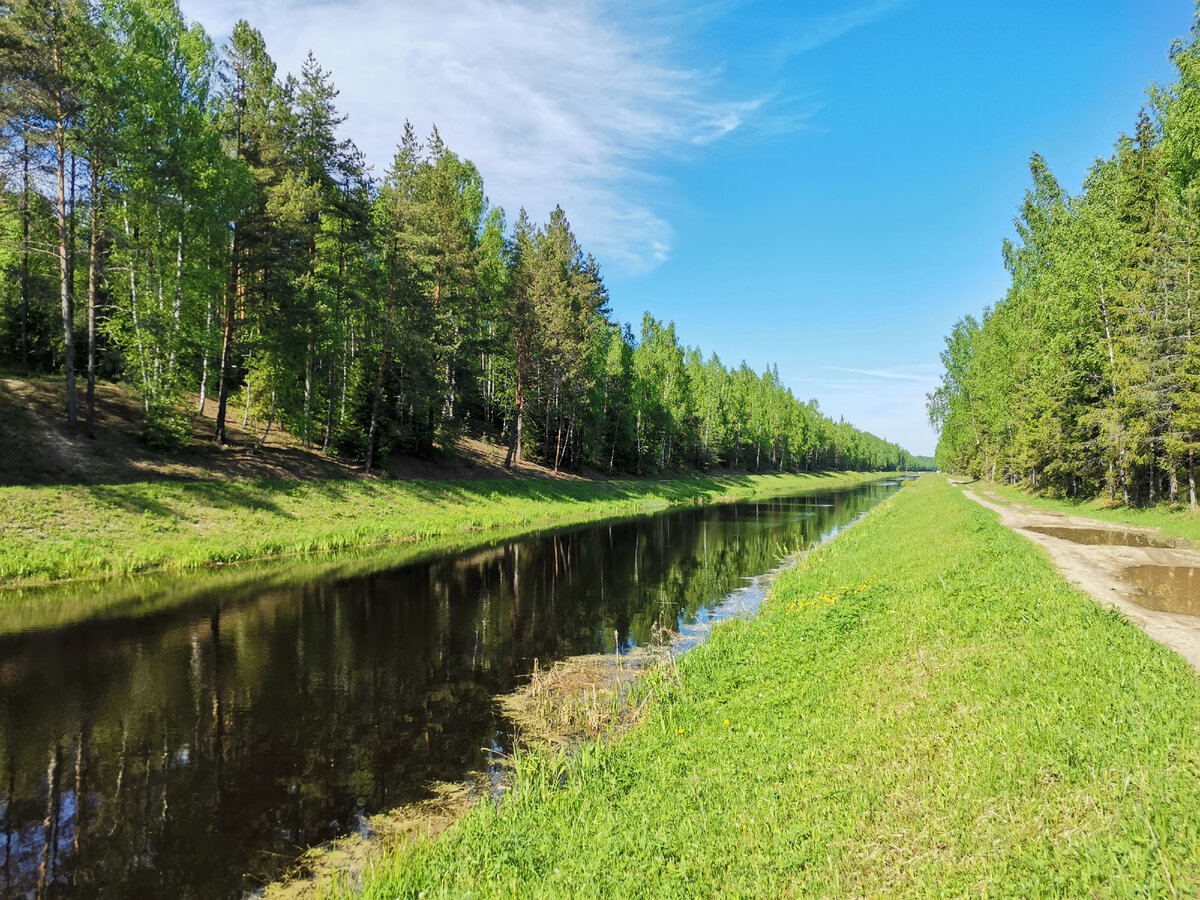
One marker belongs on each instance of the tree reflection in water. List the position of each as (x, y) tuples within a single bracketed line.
[(171, 754)]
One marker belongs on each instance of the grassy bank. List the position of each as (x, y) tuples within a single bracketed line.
[(53, 533), (923, 708), (1176, 521)]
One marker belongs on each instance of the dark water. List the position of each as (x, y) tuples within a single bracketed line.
[(1109, 537), (1173, 589), (196, 750)]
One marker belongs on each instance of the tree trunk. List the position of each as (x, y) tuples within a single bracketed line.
[(347, 350), (270, 422), (231, 289), (64, 262), (133, 310), (1191, 483), (92, 288), (308, 380), (638, 432), (333, 363), (332, 398), (25, 247), (514, 445), (177, 304), (154, 277), (383, 353), (208, 319)]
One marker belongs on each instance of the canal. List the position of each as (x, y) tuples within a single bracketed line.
[(194, 748)]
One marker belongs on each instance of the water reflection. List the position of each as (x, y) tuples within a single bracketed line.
[(1173, 589), (170, 754), (1110, 537)]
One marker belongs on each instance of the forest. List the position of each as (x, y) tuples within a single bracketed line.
[(1084, 380), (182, 219)]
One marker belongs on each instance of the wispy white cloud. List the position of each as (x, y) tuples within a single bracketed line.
[(569, 102), (898, 374), (556, 102), (811, 34), (887, 402)]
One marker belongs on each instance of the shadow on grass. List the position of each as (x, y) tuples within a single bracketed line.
[(539, 490), (184, 499)]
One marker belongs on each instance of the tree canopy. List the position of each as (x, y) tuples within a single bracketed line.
[(1083, 380), (202, 227)]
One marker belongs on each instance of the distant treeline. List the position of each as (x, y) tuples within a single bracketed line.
[(184, 220), (1085, 379)]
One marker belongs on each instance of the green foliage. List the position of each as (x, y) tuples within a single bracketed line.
[(1081, 381), (166, 428), (232, 242)]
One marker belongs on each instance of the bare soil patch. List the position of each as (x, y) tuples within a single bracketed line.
[(37, 448), (1108, 569)]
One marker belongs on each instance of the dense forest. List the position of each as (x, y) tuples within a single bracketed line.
[(186, 221), (1085, 379)]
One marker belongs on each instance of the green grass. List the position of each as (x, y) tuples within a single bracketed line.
[(86, 531), (923, 708), (1176, 521)]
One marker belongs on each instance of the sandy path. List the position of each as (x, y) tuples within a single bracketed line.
[(1097, 569)]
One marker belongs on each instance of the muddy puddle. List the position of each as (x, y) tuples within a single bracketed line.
[(1110, 537), (1173, 589)]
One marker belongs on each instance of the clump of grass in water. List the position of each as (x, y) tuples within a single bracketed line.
[(339, 865), (966, 723), (560, 714), (589, 697)]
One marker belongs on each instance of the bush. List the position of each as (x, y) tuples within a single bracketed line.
[(166, 428)]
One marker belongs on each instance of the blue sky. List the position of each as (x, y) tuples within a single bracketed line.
[(821, 185)]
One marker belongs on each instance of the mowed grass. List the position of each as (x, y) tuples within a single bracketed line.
[(923, 708), (53, 533)]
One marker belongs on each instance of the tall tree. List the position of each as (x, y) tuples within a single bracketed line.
[(47, 44), (253, 115)]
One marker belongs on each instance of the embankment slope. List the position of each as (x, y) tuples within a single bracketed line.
[(923, 708)]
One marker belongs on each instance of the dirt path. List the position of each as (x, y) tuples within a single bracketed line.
[(1098, 568)]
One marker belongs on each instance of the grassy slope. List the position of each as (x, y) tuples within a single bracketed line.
[(1177, 521), (49, 533), (924, 708)]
